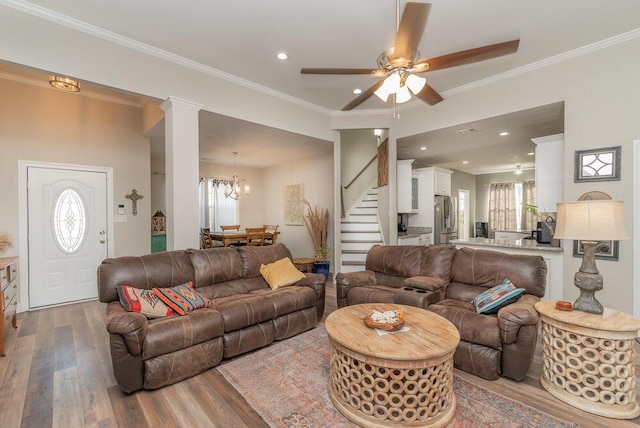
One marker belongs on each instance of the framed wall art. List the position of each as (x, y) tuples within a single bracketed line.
[(293, 195), (383, 165), (605, 250), (597, 165)]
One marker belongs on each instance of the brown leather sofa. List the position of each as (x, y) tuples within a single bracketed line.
[(247, 313), (445, 281)]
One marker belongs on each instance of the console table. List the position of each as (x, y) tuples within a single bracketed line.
[(589, 360)]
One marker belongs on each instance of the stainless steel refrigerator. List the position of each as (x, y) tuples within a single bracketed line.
[(445, 220)]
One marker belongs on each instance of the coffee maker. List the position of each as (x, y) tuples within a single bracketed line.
[(543, 233)]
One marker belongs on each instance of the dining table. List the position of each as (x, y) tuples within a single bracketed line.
[(228, 237)]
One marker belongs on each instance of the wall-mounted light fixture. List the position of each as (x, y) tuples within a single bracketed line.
[(64, 84)]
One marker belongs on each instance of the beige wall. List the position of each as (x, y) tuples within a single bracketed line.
[(601, 110), (265, 205), (358, 147), (316, 174), (46, 125)]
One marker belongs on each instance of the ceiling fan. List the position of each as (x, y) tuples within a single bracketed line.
[(400, 65)]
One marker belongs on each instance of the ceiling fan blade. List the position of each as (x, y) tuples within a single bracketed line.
[(470, 56), (362, 97), (338, 71), (429, 95), (410, 30)]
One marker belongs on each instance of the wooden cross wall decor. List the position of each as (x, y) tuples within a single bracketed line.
[(135, 197)]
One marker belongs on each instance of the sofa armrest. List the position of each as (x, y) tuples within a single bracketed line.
[(428, 283), (345, 281), (132, 326), (314, 280), (516, 315)]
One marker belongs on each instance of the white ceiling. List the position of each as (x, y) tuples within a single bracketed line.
[(240, 38)]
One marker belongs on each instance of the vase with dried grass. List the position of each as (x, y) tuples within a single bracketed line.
[(317, 221), (6, 242)]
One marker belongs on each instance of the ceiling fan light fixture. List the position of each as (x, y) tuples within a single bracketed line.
[(382, 93), (391, 85), (403, 95), (415, 83)]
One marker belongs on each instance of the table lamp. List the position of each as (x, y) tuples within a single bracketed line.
[(590, 221)]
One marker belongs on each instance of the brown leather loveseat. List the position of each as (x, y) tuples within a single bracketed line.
[(247, 314), (445, 280)]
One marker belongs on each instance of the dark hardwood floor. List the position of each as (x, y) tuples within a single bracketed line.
[(57, 372)]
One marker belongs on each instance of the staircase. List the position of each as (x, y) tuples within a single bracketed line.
[(360, 231)]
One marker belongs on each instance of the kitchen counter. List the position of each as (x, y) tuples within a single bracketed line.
[(521, 244)]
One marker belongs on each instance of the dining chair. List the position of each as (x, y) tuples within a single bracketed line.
[(255, 236), (205, 238), (271, 236), (233, 227)]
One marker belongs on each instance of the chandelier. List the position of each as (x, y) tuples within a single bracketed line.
[(232, 188)]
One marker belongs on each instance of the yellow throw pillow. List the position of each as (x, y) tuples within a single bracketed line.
[(280, 273)]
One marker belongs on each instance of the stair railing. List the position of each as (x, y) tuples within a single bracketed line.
[(342, 211)]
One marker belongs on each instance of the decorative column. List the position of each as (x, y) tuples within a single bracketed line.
[(182, 167)]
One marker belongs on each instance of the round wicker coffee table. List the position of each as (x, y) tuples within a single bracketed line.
[(404, 378)]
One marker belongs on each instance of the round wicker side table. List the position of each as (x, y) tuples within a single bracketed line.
[(589, 360)]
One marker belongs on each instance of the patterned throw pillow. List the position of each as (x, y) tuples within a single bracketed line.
[(490, 301), (182, 298), (144, 301), (280, 273)]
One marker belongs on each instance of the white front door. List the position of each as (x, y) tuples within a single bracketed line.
[(67, 222)]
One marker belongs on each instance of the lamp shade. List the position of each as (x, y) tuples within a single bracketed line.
[(599, 220)]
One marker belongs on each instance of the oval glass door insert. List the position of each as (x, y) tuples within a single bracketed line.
[(69, 221)]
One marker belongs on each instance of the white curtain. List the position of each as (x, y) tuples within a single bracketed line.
[(528, 221), (502, 207), (215, 208)]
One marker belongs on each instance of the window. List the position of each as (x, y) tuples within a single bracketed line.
[(215, 208), (506, 206), (69, 221)]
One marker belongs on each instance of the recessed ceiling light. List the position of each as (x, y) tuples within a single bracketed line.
[(282, 56), (504, 133), (465, 162), (531, 153), (357, 91), (423, 148)]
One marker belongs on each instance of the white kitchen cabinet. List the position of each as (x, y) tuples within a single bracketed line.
[(442, 181), (425, 239), (404, 176), (549, 170), (510, 236), (426, 192), (408, 240)]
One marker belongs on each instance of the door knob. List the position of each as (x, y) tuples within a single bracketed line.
[(102, 241)]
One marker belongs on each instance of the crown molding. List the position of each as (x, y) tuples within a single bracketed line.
[(127, 42), (110, 36), (584, 50)]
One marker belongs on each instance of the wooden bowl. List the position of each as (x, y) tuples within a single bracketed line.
[(393, 326)]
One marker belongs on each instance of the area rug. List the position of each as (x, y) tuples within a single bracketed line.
[(286, 383)]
